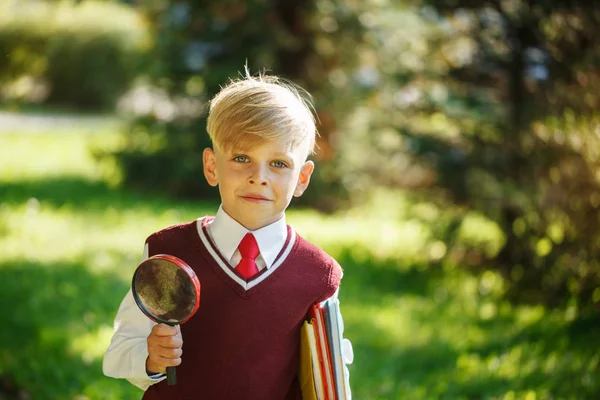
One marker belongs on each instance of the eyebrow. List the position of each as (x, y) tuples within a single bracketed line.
[(288, 157), (280, 154)]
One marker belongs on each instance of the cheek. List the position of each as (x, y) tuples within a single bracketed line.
[(286, 183), (231, 175)]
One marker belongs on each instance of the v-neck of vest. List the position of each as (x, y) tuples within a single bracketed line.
[(222, 266)]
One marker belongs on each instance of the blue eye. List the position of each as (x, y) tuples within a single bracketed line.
[(241, 159), (279, 164)]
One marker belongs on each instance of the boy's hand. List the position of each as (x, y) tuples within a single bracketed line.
[(164, 348)]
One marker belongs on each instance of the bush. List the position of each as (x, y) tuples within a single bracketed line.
[(82, 56)]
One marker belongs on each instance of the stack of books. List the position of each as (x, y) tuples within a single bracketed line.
[(323, 375)]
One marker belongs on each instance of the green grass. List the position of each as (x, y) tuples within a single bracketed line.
[(422, 329)]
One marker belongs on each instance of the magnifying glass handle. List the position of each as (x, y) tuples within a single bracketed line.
[(171, 376)]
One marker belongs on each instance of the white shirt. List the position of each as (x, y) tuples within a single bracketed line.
[(127, 352), (227, 233)]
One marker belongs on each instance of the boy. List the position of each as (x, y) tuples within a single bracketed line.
[(259, 278)]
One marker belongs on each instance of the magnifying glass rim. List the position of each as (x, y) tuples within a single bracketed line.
[(182, 265)]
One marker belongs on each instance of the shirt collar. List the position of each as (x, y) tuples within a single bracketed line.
[(227, 234)]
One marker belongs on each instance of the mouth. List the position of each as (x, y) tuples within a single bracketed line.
[(255, 198)]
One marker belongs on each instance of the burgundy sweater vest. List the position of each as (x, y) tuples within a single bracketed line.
[(243, 342)]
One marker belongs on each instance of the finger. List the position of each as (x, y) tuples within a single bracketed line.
[(170, 354), (171, 342), (158, 364), (164, 330), (157, 345), (169, 362)]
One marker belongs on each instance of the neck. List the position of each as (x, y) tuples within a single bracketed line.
[(255, 225)]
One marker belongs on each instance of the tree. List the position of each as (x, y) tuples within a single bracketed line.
[(502, 112)]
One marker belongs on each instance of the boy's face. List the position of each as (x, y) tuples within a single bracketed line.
[(257, 184)]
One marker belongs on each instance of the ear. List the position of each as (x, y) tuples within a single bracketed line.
[(209, 161), (304, 178)]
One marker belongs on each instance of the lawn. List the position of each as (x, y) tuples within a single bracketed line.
[(70, 238)]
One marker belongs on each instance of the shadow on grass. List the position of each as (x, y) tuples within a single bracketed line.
[(559, 356), (80, 193), (47, 310)]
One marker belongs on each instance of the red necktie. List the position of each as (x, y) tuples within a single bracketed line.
[(249, 251)]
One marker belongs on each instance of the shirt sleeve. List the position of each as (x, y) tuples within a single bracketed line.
[(126, 355)]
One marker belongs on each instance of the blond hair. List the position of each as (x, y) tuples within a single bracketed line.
[(250, 110)]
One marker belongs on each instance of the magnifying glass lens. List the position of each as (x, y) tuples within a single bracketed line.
[(165, 291)]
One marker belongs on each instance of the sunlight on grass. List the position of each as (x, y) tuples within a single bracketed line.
[(383, 239), (68, 235), (26, 156), (92, 345)]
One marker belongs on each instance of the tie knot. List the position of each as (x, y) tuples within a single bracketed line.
[(248, 247)]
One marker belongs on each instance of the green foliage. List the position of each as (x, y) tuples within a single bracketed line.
[(532, 168), (77, 55), (421, 329), (490, 107), (157, 157)]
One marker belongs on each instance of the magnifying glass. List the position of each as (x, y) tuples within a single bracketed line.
[(167, 291)]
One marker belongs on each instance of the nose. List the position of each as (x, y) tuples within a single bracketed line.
[(258, 175)]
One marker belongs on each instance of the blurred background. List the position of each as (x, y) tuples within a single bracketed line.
[(457, 181)]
